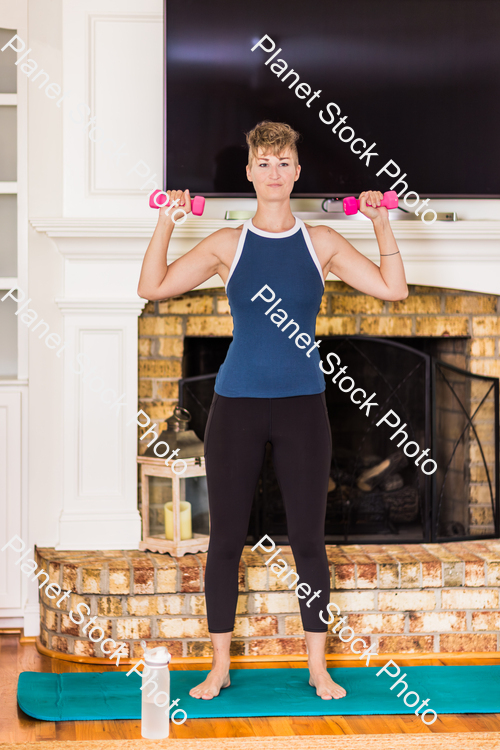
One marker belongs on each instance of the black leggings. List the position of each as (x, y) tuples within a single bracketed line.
[(235, 441)]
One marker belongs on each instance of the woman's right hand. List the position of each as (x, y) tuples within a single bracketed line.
[(184, 202)]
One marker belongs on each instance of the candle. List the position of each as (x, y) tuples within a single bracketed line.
[(186, 532)]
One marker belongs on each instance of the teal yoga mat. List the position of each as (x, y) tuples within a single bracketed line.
[(262, 692)]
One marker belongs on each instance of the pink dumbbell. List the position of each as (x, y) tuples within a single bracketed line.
[(197, 203), (351, 205)]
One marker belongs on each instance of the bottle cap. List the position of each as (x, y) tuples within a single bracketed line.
[(156, 657)]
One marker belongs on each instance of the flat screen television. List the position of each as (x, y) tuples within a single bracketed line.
[(420, 79)]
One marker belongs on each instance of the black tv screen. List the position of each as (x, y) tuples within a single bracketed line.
[(420, 79)]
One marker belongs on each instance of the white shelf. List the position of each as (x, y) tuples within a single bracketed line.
[(8, 188), (8, 282), (8, 100)]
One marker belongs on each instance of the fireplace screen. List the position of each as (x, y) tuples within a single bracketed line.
[(377, 493), (465, 427)]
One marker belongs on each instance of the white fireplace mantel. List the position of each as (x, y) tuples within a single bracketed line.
[(199, 228), (455, 255)]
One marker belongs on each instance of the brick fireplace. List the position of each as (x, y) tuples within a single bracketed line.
[(404, 598), (462, 328)]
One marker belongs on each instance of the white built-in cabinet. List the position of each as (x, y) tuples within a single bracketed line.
[(13, 341)]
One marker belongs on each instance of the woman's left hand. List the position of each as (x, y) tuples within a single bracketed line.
[(374, 210)]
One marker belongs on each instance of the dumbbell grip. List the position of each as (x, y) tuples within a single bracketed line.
[(351, 204), (197, 203)]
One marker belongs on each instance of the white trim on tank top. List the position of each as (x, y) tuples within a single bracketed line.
[(239, 250), (311, 249), (273, 235), (299, 225)]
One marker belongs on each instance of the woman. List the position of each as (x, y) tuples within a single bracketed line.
[(270, 388)]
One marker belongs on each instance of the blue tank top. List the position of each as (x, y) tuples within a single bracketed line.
[(268, 357)]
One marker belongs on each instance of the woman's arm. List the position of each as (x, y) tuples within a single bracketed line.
[(159, 280), (339, 257)]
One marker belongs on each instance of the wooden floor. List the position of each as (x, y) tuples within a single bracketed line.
[(16, 727)]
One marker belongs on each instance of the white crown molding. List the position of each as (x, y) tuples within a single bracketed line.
[(101, 306)]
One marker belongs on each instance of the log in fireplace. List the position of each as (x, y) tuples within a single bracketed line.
[(376, 494)]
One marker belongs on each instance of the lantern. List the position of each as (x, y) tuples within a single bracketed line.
[(174, 505)]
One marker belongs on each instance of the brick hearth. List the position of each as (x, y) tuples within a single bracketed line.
[(441, 598)]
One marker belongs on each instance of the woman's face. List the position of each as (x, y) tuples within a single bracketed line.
[(272, 176)]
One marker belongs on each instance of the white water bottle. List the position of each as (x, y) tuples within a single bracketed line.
[(155, 693)]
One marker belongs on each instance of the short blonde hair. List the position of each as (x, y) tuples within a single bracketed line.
[(273, 138)]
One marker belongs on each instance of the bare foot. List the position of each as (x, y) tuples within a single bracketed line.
[(326, 688), (211, 687)]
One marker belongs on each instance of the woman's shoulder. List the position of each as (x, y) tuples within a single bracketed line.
[(227, 237), (223, 243), (320, 231), (228, 234), (324, 241)]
